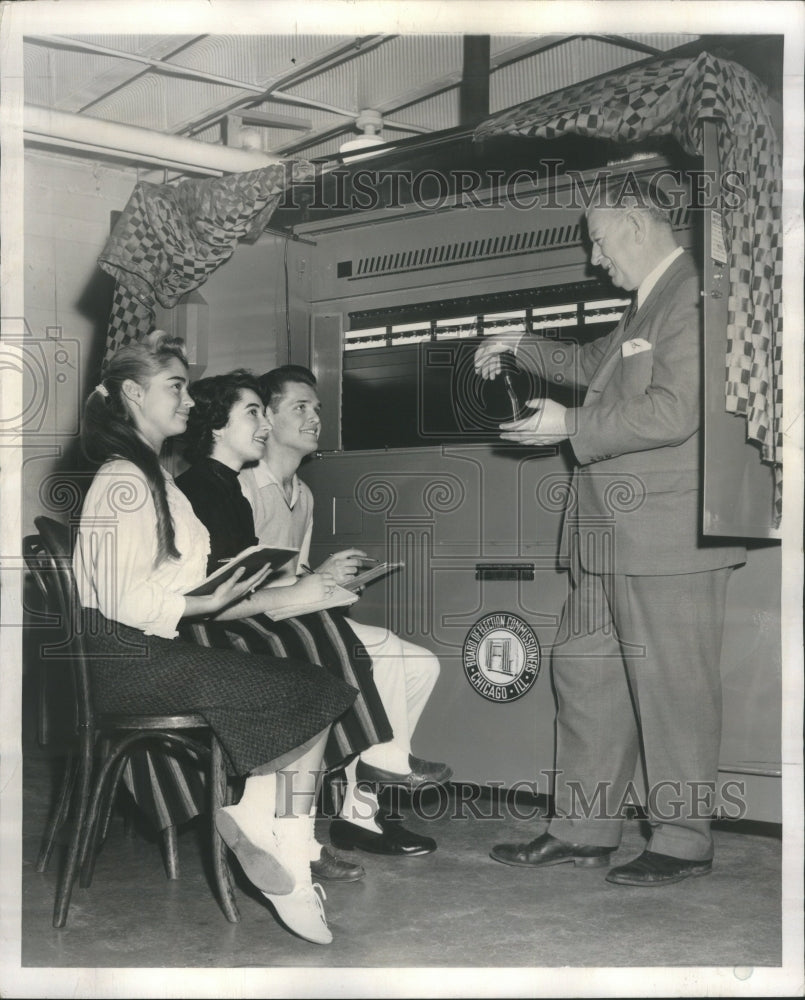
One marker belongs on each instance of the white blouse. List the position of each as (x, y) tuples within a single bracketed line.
[(116, 548)]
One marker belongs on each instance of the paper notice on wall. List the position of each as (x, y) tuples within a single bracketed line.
[(718, 248)]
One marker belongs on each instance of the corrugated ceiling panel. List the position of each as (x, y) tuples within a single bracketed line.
[(499, 43), (141, 102), (576, 60), (80, 78), (328, 148), (407, 63), (75, 72), (338, 87), (38, 77), (261, 60), (397, 66), (190, 100), (437, 112), (257, 59)]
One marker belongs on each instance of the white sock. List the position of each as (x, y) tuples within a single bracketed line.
[(255, 810), (388, 757), (315, 846), (294, 837), (360, 804)]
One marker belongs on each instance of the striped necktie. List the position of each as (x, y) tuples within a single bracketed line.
[(628, 316)]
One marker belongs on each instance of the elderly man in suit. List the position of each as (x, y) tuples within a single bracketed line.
[(636, 661)]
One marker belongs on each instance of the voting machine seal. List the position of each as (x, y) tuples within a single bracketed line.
[(501, 657)]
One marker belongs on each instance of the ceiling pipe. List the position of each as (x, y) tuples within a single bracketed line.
[(139, 145)]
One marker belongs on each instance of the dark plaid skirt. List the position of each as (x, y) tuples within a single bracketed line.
[(260, 707), (167, 786)]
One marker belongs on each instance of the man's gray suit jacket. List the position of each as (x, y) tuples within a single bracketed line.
[(634, 505)]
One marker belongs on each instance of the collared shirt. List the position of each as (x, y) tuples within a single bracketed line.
[(651, 279), (278, 520)]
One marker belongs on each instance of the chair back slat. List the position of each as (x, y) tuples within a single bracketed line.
[(51, 567)]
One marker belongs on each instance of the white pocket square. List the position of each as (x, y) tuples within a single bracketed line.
[(636, 346)]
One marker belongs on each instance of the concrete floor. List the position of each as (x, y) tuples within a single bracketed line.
[(454, 908)]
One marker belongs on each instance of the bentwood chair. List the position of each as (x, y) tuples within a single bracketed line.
[(102, 742)]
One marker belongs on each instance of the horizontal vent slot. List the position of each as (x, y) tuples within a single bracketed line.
[(465, 251), (445, 254)]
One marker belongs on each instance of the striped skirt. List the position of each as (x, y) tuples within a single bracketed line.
[(171, 790)]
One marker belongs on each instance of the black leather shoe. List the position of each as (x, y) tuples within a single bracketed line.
[(657, 869), (438, 770), (394, 839), (387, 779), (329, 867), (547, 850)]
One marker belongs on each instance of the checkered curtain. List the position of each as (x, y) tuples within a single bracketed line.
[(673, 97), (170, 238)]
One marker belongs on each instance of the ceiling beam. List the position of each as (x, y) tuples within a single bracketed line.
[(626, 43), (273, 119), (172, 69), (530, 48), (473, 93)]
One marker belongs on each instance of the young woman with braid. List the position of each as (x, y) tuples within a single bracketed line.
[(138, 551)]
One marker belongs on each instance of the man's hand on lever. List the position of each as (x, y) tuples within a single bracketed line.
[(544, 427), (487, 356)]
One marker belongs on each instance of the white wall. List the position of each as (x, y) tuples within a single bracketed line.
[(246, 298), (67, 208)]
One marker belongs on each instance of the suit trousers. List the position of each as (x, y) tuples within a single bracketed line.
[(636, 671)]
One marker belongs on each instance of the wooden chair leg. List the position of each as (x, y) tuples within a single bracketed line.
[(109, 804), (100, 820), (90, 840), (170, 852), (58, 813), (220, 861), (64, 889)]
